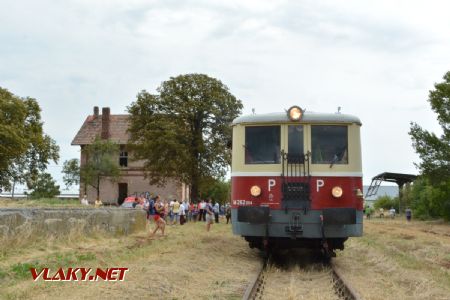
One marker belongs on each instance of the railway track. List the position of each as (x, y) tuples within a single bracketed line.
[(316, 281)]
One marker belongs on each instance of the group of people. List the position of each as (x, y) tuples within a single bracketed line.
[(97, 203), (174, 212), (368, 211)]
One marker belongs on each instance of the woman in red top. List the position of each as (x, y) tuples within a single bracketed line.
[(159, 216)]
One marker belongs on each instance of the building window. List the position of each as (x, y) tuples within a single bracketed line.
[(123, 157), (329, 144), (262, 145)]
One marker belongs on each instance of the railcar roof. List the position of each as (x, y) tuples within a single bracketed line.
[(308, 117)]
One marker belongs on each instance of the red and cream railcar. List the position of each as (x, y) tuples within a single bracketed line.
[(297, 179)]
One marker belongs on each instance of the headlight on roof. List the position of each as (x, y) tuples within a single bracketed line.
[(295, 113), (337, 192), (255, 191)]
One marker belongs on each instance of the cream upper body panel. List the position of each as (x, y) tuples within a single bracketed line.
[(352, 168)]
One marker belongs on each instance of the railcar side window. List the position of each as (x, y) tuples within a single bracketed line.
[(262, 145), (329, 144), (295, 140)]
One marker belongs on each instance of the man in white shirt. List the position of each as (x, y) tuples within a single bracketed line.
[(216, 210), (202, 211), (84, 200), (182, 213)]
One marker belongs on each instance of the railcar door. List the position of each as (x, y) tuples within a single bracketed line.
[(295, 170)]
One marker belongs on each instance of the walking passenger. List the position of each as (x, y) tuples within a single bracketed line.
[(216, 209), (228, 212), (368, 212), (392, 213), (186, 209), (182, 213), (209, 214), (194, 207), (202, 211), (176, 212), (158, 217), (408, 214), (171, 215)]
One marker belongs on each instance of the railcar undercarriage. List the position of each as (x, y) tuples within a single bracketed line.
[(327, 245)]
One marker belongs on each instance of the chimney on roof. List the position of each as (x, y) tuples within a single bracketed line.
[(105, 123), (95, 112)]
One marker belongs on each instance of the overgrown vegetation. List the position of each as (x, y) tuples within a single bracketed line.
[(386, 202), (44, 187), (431, 193), (184, 131), (100, 163), (216, 189), (25, 150)]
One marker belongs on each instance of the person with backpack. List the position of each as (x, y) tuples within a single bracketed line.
[(151, 208)]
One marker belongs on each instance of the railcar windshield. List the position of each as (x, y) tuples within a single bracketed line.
[(295, 140), (329, 144), (262, 145)]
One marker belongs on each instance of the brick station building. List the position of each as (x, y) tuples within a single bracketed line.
[(131, 181)]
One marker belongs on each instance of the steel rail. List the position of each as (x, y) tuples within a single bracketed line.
[(341, 285), (256, 286)]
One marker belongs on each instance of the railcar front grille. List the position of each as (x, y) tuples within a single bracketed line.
[(296, 179)]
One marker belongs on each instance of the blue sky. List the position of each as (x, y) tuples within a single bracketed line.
[(375, 59)]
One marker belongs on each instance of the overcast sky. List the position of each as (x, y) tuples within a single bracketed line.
[(375, 59)]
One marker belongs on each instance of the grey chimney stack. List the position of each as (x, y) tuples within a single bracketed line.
[(95, 112), (105, 123)]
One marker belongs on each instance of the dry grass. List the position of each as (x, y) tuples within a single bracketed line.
[(399, 260), (44, 203), (188, 263), (394, 260), (311, 283)]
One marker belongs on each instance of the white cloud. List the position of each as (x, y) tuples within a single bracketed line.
[(375, 59)]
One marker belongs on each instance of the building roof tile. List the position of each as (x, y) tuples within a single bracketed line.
[(92, 127)]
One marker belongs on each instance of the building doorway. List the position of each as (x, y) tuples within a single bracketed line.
[(123, 192)]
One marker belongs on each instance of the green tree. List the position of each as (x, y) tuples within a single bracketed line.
[(101, 162), (44, 187), (25, 150), (182, 132), (386, 202), (71, 171), (217, 189), (434, 152), (428, 201)]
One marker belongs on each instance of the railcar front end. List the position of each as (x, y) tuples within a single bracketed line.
[(297, 180)]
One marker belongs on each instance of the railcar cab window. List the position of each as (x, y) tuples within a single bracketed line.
[(295, 142), (262, 145), (329, 144)]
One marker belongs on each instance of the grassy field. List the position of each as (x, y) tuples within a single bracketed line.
[(399, 260), (46, 202), (188, 263)]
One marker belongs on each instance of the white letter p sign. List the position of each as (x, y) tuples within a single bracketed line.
[(320, 183)]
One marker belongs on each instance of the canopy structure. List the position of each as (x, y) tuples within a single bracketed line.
[(398, 178)]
